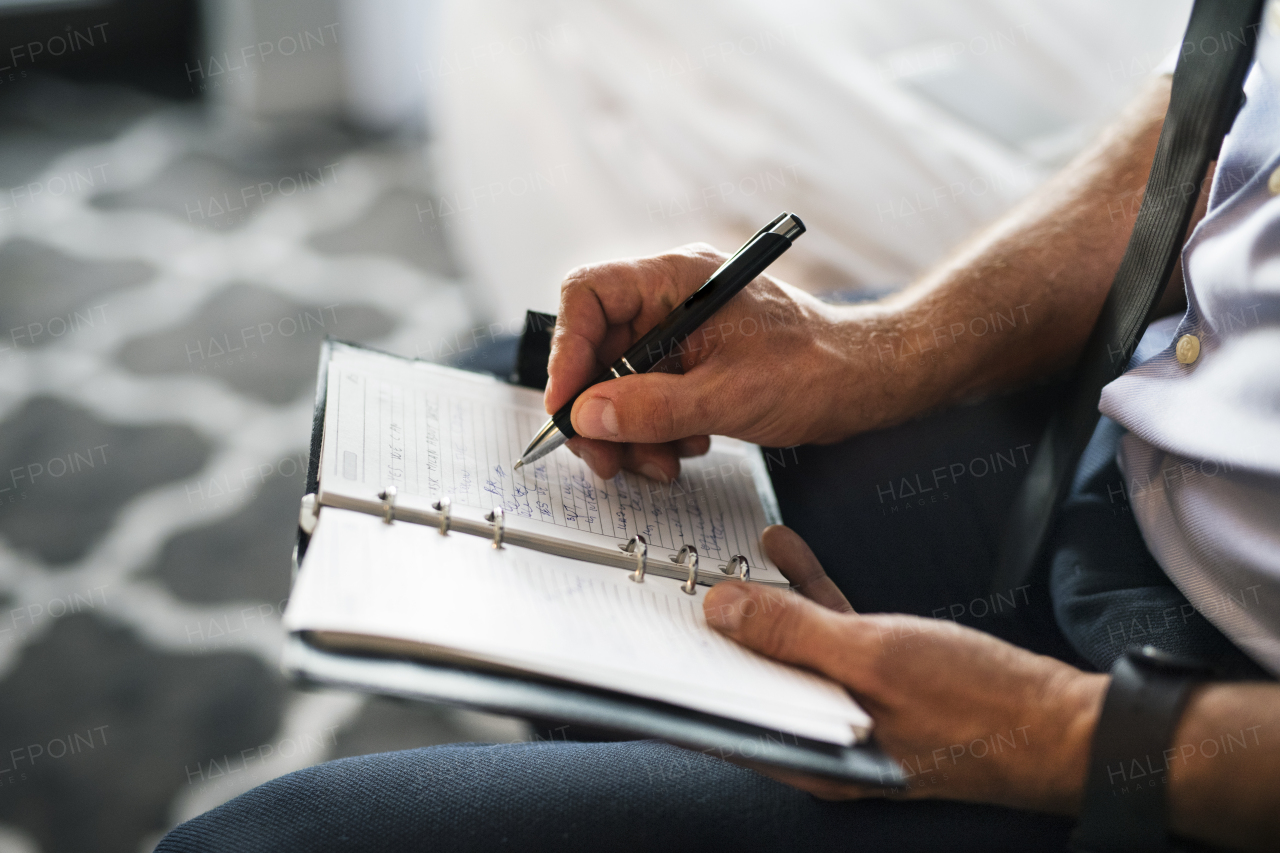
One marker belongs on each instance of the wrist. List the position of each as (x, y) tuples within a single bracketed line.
[(1062, 717), (1083, 698), (1124, 804), (878, 387)]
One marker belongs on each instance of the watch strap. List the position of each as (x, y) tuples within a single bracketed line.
[(1124, 806), (1204, 98)]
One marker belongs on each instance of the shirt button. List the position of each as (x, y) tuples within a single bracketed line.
[(1273, 183), (1188, 349)]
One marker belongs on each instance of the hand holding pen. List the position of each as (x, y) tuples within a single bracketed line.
[(753, 371)]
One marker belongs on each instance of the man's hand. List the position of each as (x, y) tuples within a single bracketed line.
[(778, 367), (769, 367), (966, 715)]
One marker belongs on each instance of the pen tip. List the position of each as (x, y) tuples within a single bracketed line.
[(518, 465)]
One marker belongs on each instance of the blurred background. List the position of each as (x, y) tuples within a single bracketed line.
[(193, 194)]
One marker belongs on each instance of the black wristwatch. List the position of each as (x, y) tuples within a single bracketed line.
[(1124, 806)]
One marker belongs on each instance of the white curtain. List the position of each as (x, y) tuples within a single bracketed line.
[(568, 131)]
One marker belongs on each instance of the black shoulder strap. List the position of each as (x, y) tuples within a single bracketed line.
[(1216, 53)]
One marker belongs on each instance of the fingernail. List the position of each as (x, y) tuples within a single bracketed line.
[(597, 418), (653, 472), (723, 606)]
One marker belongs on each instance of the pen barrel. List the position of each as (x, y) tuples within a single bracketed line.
[(667, 339), (562, 420)]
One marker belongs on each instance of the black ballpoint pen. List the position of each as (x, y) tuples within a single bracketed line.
[(665, 338)]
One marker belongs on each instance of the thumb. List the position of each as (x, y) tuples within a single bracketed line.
[(648, 408), (789, 628), (798, 564)]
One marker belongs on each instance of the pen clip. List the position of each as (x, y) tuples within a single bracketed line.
[(745, 246), (781, 216)]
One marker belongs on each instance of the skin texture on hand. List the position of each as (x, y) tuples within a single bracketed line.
[(966, 715), (767, 368), (971, 717)]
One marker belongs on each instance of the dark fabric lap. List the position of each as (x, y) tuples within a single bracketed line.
[(909, 519), (636, 795)]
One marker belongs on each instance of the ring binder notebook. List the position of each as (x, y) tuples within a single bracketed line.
[(444, 506), (441, 443), (688, 556), (639, 546), (540, 622), (497, 517), (388, 498)]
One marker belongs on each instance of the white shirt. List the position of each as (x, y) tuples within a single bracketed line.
[(1202, 456)]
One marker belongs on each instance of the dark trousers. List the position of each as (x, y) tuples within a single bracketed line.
[(909, 519), (905, 519)]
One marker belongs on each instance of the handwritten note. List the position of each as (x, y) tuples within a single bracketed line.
[(431, 431)]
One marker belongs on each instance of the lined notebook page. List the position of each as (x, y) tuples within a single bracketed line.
[(555, 617), (433, 431)]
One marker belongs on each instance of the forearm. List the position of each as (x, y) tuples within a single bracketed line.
[(1017, 302), (1224, 766), (778, 367)]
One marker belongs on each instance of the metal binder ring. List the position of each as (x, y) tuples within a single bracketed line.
[(388, 498), (444, 506), (688, 554), (738, 563), (308, 514), (499, 519), (639, 546)]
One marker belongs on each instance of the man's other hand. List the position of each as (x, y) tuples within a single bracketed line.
[(966, 715)]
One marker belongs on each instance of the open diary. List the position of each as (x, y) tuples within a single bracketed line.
[(428, 568)]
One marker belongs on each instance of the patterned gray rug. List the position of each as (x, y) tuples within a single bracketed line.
[(161, 304)]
